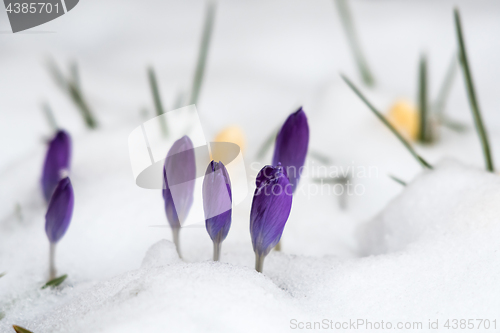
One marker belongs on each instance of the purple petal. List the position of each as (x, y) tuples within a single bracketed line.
[(267, 173), (56, 162), (59, 211), (291, 145), (271, 206), (217, 200), (179, 174)]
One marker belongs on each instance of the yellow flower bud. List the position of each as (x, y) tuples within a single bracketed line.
[(403, 115), (233, 134)]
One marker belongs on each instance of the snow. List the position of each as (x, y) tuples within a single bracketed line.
[(427, 251), (448, 201)]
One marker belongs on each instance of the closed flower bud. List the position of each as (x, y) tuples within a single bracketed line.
[(58, 217), (57, 163), (179, 174), (59, 211), (291, 145), (217, 200), (271, 206)]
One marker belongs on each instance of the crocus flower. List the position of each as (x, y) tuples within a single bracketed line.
[(58, 217), (57, 162), (271, 206), (291, 145), (179, 174), (217, 201)]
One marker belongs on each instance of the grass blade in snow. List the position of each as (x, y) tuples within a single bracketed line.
[(267, 144), (397, 180), (350, 31), (47, 111), (55, 282), (422, 101), (412, 151), (72, 87), (202, 55), (153, 83), (445, 89), (20, 329), (483, 137)]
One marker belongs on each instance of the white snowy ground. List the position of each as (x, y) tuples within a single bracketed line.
[(429, 251)]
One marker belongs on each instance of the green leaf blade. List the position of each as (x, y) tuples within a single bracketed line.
[(471, 93), (153, 83), (352, 38), (423, 134), (379, 115), (20, 329), (55, 282), (203, 52)]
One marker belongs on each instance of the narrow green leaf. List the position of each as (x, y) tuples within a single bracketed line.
[(330, 180), (49, 115), (56, 73), (471, 93), (19, 329), (2, 274), (179, 100), (454, 125), (379, 115), (267, 144), (445, 89), (320, 156), (77, 98), (352, 37), (74, 74), (397, 180), (72, 87), (153, 83), (423, 135), (2, 315), (203, 52), (55, 282), (18, 210)]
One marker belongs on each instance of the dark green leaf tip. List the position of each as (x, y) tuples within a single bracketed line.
[(20, 329), (55, 282)]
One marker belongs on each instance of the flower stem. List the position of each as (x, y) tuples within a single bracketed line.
[(259, 263), (52, 266), (217, 246), (175, 236)]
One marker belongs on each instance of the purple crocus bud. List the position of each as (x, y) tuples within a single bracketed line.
[(57, 162), (58, 216), (179, 174), (271, 206), (217, 200), (291, 145), (59, 211)]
